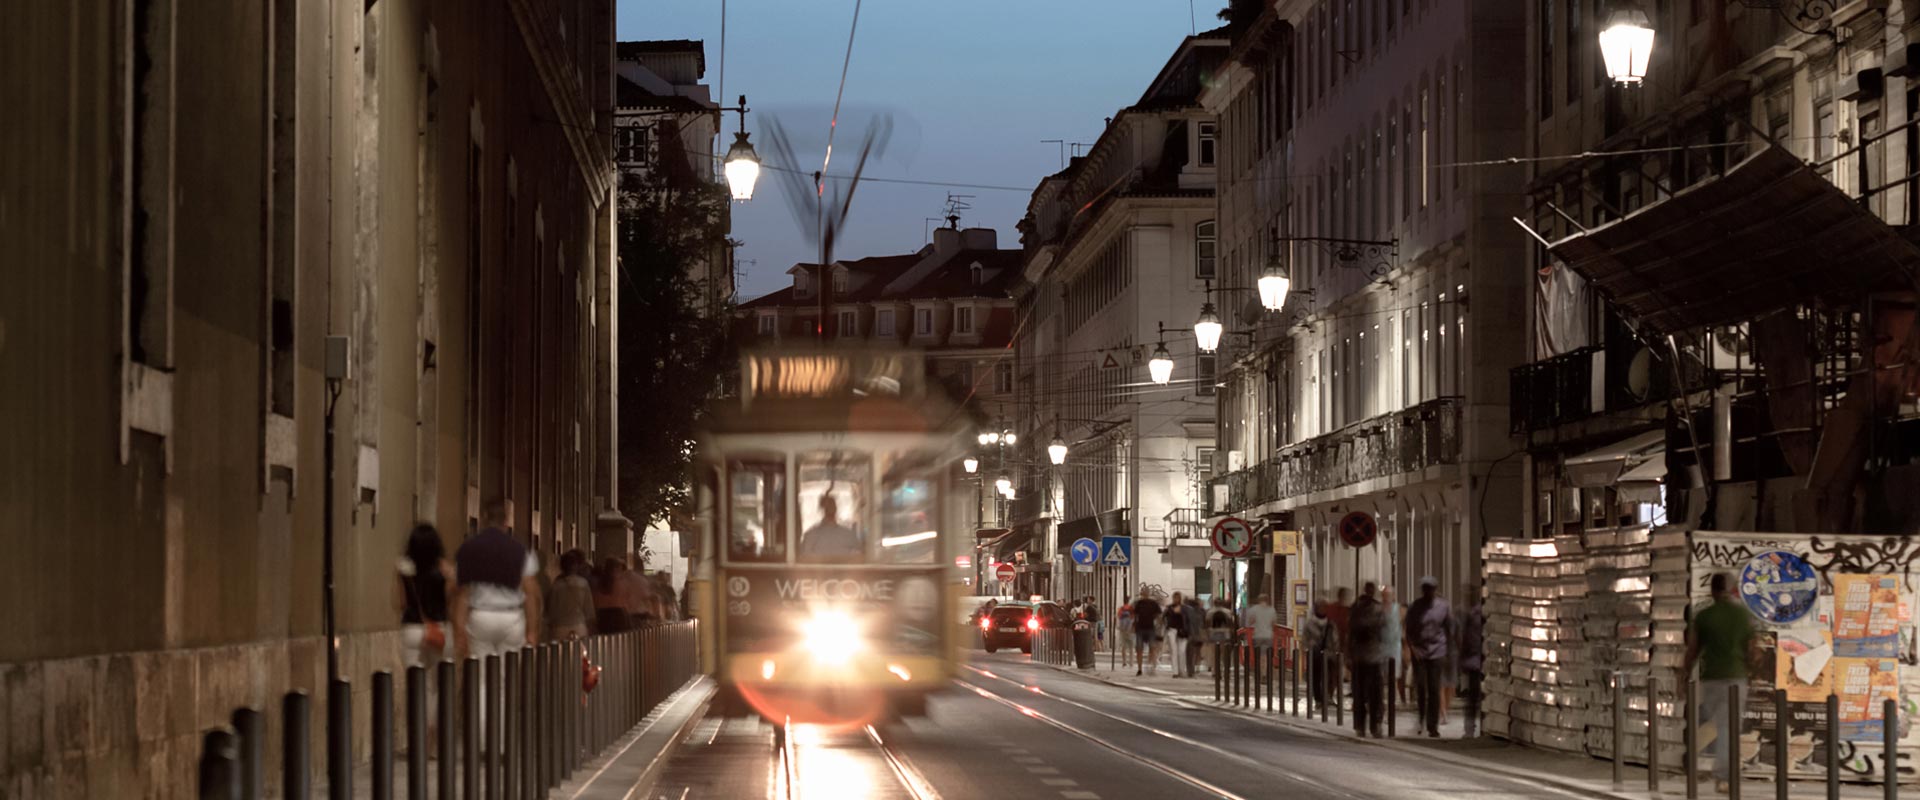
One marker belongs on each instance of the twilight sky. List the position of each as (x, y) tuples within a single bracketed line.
[(971, 88)]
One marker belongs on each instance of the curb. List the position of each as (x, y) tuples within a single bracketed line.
[(649, 775), (1332, 732), (698, 694)]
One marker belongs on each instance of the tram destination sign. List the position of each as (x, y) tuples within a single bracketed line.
[(805, 374)]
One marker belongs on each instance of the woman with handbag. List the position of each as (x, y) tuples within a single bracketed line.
[(420, 595)]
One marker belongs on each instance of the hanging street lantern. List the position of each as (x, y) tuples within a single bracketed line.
[(1057, 451), (742, 163), (1273, 284), (1626, 43), (970, 464), (1207, 329), (1161, 365)]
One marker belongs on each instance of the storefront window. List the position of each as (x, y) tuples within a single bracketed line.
[(757, 511)]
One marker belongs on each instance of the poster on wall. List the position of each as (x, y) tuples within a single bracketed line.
[(1779, 587), (1867, 616), (1863, 685), (1801, 660)]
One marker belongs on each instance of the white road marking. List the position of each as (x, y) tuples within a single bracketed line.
[(1044, 770), (1059, 782), (1078, 795), (1027, 760)]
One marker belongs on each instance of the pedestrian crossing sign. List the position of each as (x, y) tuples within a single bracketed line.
[(1116, 551)]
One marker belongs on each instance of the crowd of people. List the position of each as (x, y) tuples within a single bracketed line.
[(495, 594)]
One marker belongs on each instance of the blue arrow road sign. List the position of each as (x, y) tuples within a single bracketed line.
[(1085, 551), (1116, 551)]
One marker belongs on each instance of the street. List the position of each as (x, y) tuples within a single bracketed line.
[(1011, 728)]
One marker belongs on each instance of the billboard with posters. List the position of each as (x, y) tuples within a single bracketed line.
[(1834, 612)]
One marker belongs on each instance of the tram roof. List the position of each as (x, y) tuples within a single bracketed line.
[(839, 388)]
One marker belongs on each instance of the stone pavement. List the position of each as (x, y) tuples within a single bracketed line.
[(1569, 771)]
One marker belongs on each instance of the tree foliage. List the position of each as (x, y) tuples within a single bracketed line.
[(674, 343)]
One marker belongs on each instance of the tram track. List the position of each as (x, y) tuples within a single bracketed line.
[(788, 773)]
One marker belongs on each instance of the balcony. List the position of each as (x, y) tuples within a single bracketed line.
[(1399, 443), (1583, 383)]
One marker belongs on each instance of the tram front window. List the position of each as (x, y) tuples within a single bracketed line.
[(909, 517), (758, 497), (834, 490)]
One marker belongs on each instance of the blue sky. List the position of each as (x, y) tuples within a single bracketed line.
[(971, 87)]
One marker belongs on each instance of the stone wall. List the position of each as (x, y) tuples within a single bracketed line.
[(129, 725)]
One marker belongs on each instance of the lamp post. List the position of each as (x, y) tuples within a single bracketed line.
[(742, 164)]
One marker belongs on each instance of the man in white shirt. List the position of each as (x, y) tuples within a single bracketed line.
[(497, 605), (1260, 617)]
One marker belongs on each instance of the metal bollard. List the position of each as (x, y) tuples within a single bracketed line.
[(1393, 696), (1653, 734), (219, 765), (527, 705), (1339, 709), (1326, 691), (416, 733), (1217, 687), (1690, 738), (1734, 715), (382, 741), (1833, 747), (470, 729), (1890, 757), (510, 708), (443, 672), (296, 760), (340, 740), (1780, 744), (249, 729), (1619, 730), (491, 712)]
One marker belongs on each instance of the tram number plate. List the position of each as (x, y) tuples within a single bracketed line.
[(1009, 630)]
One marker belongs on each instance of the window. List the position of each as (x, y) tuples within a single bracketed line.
[(757, 511), (910, 521), (839, 281), (1823, 131), (1003, 378), (923, 321), (1426, 136), (1574, 47), (1204, 244), (834, 502), (802, 287), (849, 323), (883, 322), (1546, 34), (1208, 143), (977, 272), (963, 320), (632, 145), (1875, 152), (767, 322), (1204, 375)]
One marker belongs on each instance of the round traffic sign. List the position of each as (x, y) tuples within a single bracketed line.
[(1004, 573), (1085, 551), (1233, 537), (1357, 529)]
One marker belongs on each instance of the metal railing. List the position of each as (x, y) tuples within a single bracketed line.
[(1404, 441), (547, 725)]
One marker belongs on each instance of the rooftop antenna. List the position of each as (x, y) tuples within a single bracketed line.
[(956, 203), (1076, 148), (1063, 149)]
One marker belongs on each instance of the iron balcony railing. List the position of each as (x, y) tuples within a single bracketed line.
[(1404, 441)]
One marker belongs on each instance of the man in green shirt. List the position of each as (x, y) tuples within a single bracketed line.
[(1719, 640)]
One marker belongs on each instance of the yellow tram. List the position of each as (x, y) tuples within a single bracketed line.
[(827, 579)]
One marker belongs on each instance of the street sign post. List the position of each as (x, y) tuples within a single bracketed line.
[(1358, 530), (1116, 551), (1085, 552), (1003, 573), (1233, 537)]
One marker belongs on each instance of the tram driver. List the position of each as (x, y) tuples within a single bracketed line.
[(828, 540)]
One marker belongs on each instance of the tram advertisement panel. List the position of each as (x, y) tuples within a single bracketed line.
[(897, 611)]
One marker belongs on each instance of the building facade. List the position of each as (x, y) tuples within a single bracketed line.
[(665, 120), (212, 191), (1348, 133), (1118, 244)]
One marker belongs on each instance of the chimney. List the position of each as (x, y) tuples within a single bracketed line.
[(946, 241), (979, 239)]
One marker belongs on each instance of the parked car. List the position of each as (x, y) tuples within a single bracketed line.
[(1014, 624)]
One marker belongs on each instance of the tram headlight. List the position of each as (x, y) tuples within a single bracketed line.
[(832, 637)]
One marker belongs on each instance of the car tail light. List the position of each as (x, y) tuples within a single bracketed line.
[(986, 623), (1033, 623)]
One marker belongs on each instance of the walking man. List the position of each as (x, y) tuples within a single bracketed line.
[(1473, 652), (1316, 636), (497, 605), (1720, 640), (1365, 622), (1146, 633), (1259, 618), (1178, 634), (1429, 635)]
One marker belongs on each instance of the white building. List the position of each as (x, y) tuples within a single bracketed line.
[(1381, 387), (665, 120), (1118, 243)]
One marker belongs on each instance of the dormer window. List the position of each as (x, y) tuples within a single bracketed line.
[(963, 319), (839, 281), (979, 275), (802, 287)]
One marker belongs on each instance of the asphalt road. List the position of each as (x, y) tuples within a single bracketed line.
[(1010, 729)]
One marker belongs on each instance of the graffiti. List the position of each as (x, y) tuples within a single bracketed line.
[(1863, 555), (1868, 759), (1725, 554)]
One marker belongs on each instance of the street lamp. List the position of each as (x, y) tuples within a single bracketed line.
[(990, 437), (1003, 484), (1626, 43), (742, 164), (1207, 329), (1009, 438), (1057, 451), (1274, 283), (970, 464), (1161, 365)]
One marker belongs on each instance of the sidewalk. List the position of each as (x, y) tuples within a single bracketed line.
[(1572, 772)]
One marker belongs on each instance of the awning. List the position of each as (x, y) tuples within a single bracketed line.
[(1607, 465), (1768, 234), (1188, 553), (1005, 545)]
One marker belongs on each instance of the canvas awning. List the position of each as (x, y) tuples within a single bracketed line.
[(1609, 465), (1768, 234), (1005, 545)]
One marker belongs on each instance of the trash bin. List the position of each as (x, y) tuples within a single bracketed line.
[(1083, 640)]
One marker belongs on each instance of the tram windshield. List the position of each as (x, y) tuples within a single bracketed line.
[(837, 516), (757, 493), (834, 497)]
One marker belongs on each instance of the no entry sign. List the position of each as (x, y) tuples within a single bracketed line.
[(1358, 529), (1233, 537), (1004, 573)]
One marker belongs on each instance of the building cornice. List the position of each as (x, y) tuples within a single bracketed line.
[(569, 97)]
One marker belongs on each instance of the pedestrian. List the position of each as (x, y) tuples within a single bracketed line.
[(1430, 636), (1473, 650), (497, 605), (1196, 623), (1337, 614), (1366, 656), (570, 612), (1125, 628), (1721, 640), (1177, 632), (609, 598), (1219, 628), (1259, 618), (1315, 639), (1146, 633), (420, 594), (1393, 643), (642, 604), (1091, 610)]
